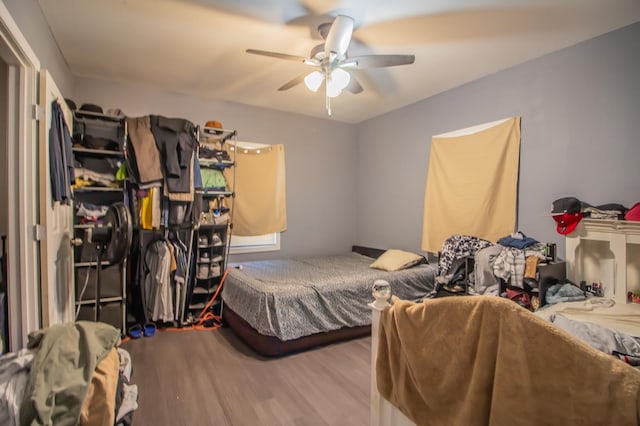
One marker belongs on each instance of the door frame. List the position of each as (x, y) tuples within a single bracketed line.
[(23, 232)]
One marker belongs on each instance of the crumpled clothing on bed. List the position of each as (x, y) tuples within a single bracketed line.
[(563, 293), (597, 336)]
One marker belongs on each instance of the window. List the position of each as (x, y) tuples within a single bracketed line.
[(245, 205), (268, 242)]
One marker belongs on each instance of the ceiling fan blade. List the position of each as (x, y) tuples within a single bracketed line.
[(277, 55), (378, 61), (339, 36), (293, 82), (354, 85)]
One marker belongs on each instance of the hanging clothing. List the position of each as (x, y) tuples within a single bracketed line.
[(60, 157), (157, 284), (176, 140), (178, 274), (146, 219), (150, 212), (156, 210), (182, 196), (147, 156)]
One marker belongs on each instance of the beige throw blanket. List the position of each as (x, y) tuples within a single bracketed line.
[(486, 361)]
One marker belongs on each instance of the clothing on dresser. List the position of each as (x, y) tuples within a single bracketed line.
[(510, 263), (517, 240), (530, 267), (456, 247), (486, 281)]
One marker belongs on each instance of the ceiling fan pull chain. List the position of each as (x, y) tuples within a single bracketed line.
[(328, 105)]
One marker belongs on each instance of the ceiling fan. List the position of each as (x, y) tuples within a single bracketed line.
[(333, 62)]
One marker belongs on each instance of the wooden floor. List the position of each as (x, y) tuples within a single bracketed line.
[(212, 378)]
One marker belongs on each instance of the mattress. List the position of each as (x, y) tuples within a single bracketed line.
[(291, 298)]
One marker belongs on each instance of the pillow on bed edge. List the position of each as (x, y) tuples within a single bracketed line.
[(395, 260)]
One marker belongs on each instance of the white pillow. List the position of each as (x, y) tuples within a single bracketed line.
[(395, 260)]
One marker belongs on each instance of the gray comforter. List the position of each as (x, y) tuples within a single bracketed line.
[(599, 337), (292, 298)]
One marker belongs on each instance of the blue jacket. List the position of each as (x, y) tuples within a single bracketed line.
[(60, 157)]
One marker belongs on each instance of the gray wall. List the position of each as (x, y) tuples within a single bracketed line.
[(33, 26), (580, 110), (319, 154), (4, 196)]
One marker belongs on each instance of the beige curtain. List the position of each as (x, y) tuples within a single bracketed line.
[(260, 204), (472, 184)]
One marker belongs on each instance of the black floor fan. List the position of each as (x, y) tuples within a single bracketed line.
[(112, 242)]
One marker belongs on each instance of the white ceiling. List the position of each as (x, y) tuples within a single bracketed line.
[(197, 47)]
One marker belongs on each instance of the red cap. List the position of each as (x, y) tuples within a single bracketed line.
[(633, 213), (567, 222)]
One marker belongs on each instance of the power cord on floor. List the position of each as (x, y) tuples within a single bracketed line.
[(205, 316)]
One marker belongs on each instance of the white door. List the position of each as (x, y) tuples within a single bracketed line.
[(56, 254), (21, 164)]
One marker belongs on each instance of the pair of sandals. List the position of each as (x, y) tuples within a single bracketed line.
[(137, 331)]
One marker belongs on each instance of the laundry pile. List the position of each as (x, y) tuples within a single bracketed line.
[(72, 373), (507, 268)]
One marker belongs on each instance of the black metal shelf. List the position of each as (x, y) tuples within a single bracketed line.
[(210, 193), (208, 278), (98, 189), (114, 279), (205, 291), (103, 264), (213, 226), (216, 164), (100, 152), (203, 288), (201, 305), (83, 113), (216, 134), (102, 300)]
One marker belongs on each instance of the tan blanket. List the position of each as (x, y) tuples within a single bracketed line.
[(486, 361)]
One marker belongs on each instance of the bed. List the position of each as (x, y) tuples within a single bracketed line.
[(283, 306), (485, 360)]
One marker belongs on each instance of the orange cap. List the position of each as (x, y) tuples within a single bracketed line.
[(213, 123)]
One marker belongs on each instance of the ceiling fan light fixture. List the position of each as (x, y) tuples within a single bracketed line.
[(333, 90), (332, 61), (340, 78), (313, 80)]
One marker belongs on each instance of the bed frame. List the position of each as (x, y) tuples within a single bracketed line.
[(272, 346)]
